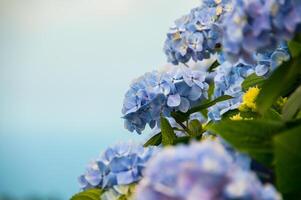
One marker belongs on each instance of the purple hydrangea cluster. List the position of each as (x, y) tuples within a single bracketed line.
[(159, 93), (200, 171), (256, 26), (197, 35), (119, 165)]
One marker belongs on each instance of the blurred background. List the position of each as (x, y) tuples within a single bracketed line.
[(64, 68)]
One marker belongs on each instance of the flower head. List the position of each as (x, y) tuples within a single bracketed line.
[(161, 93), (119, 165), (229, 77), (197, 35), (258, 26), (228, 80), (200, 171)]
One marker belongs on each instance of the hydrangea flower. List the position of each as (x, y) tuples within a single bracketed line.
[(200, 171), (197, 35), (286, 17), (229, 77), (118, 166), (159, 93), (228, 80), (256, 26)]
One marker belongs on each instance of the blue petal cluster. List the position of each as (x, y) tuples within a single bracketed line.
[(228, 78), (119, 165), (227, 81), (196, 35), (256, 26), (200, 171), (159, 93)]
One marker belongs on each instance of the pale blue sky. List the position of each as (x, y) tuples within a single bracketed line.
[(65, 66)]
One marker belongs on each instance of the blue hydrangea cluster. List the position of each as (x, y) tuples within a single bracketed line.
[(119, 165), (159, 93), (227, 81), (200, 171), (197, 35), (256, 26), (229, 77)]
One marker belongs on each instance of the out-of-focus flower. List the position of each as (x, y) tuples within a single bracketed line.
[(200, 171), (197, 35), (286, 17), (118, 166), (270, 60), (258, 26), (161, 93), (249, 98)]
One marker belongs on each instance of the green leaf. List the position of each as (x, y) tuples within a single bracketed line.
[(179, 116), (295, 48), (182, 140), (211, 90), (209, 104), (182, 117), (288, 161), (272, 114), (280, 82), (213, 66), (195, 127), (168, 135), (251, 81), (293, 105), (154, 141), (250, 136), (92, 194)]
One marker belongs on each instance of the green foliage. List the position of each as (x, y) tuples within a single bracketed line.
[(251, 81), (280, 83), (295, 46), (195, 127), (293, 105), (182, 140), (288, 161), (154, 141), (211, 90), (254, 137), (92, 194), (182, 117), (168, 135), (272, 114), (208, 104), (213, 66)]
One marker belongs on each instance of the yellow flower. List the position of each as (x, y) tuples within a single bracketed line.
[(249, 98), (236, 117)]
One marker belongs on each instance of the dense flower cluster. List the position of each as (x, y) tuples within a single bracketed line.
[(256, 26), (159, 93), (196, 35), (229, 77), (119, 165), (228, 80), (200, 171)]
